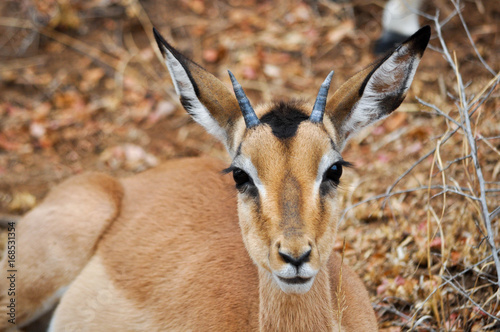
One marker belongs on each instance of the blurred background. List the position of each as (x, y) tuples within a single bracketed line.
[(82, 88)]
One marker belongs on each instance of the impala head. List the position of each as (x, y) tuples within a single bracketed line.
[(286, 157)]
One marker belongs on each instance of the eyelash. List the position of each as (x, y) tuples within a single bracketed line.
[(331, 177)]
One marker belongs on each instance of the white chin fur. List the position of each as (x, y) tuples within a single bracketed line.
[(293, 288)]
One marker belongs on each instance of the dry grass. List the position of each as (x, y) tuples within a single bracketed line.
[(82, 89)]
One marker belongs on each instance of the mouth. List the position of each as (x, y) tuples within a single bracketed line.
[(295, 281)]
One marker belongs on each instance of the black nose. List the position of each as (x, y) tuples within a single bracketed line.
[(304, 258)]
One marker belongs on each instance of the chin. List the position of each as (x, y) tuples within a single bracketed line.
[(295, 285)]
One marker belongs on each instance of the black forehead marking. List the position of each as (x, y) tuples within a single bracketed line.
[(284, 119), (333, 144), (238, 150)]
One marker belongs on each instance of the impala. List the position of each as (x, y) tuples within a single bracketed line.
[(200, 245)]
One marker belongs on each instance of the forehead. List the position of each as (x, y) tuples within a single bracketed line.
[(287, 142), (284, 119)]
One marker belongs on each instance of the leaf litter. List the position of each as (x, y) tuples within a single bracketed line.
[(83, 89)]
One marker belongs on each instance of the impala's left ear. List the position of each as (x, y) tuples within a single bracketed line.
[(377, 90)]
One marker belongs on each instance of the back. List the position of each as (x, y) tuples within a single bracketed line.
[(185, 255), (174, 260)]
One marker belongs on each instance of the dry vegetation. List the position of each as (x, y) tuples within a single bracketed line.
[(82, 89)]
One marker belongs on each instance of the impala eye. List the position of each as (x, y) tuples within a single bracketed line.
[(334, 173), (244, 183), (241, 177)]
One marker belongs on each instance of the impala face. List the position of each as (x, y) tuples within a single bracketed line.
[(286, 160), (287, 173)]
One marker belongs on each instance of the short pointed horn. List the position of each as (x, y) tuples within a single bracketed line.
[(320, 103), (249, 115)]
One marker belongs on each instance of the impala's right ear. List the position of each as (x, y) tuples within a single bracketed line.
[(204, 97)]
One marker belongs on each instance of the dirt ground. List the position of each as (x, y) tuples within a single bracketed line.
[(81, 88)]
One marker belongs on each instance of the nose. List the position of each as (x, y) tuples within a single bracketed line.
[(294, 260)]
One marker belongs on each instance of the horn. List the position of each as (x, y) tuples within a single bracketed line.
[(249, 115), (320, 103)]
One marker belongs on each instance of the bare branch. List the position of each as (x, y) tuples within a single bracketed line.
[(455, 192), (394, 184), (464, 294), (495, 212), (468, 131), (450, 163), (391, 309), (488, 138), (435, 108), (445, 189)]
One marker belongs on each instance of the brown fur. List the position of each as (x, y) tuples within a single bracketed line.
[(181, 266), (339, 105), (55, 241)]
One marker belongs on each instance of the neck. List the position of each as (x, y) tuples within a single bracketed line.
[(311, 311)]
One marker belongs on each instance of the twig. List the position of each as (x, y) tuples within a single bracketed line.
[(495, 212), (447, 281), (391, 309), (492, 88), (488, 144), (473, 302), (470, 38), (140, 13), (450, 163), (394, 184), (488, 138), (455, 192), (494, 81), (76, 44), (435, 108), (445, 189)]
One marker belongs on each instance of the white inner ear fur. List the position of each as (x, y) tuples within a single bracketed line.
[(392, 78), (184, 88)]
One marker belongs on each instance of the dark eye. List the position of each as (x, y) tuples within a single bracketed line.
[(244, 182), (240, 177), (333, 173)]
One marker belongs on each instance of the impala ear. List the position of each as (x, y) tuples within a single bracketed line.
[(378, 90), (204, 97)]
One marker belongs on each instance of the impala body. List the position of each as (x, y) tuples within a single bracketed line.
[(195, 245)]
